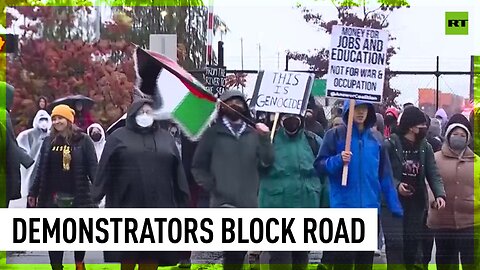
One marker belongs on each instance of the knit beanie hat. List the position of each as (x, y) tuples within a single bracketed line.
[(411, 117), (64, 111), (458, 120)]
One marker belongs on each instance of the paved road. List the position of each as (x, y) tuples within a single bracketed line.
[(96, 257)]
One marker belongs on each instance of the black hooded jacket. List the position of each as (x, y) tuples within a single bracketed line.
[(141, 167)]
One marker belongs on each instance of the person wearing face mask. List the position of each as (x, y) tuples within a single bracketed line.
[(140, 167), (413, 162), (390, 122), (227, 160), (31, 140), (291, 181), (456, 227), (97, 134), (369, 175)]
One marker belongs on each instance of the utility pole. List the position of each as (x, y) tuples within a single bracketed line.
[(259, 56), (241, 50), (286, 61), (220, 54)]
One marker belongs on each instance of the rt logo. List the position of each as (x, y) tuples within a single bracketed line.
[(456, 23)]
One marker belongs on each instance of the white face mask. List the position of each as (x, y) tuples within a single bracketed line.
[(43, 124), (144, 120)]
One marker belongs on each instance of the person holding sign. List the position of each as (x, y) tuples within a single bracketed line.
[(369, 174), (291, 181), (227, 159)]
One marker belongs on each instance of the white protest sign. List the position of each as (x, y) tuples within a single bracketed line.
[(356, 69), (282, 92)]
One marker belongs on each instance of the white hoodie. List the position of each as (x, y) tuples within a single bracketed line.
[(98, 148), (31, 140), (101, 143)]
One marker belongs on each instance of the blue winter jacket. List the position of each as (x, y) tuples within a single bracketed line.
[(370, 172)]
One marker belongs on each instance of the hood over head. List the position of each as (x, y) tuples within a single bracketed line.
[(380, 122), (392, 111), (230, 94), (130, 122), (441, 113), (96, 125), (371, 116), (40, 115), (434, 130), (233, 94)]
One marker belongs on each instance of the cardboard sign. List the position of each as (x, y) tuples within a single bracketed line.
[(215, 79), (282, 92), (356, 69)]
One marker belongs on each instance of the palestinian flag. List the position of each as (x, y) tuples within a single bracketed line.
[(177, 94)]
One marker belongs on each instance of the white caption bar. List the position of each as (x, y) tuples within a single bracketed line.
[(189, 229)]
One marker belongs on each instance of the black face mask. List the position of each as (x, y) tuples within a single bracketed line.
[(291, 124), (390, 120), (422, 133), (232, 115), (96, 136)]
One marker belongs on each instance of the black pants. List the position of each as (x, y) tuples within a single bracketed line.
[(286, 260), (56, 258), (233, 260), (393, 234), (427, 246), (451, 243), (351, 260)]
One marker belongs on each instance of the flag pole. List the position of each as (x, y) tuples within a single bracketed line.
[(210, 23)]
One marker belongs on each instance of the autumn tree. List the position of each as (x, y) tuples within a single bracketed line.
[(62, 53), (352, 13), (56, 59)]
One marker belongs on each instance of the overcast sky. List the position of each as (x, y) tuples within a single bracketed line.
[(279, 26)]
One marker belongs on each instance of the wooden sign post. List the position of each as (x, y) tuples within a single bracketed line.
[(348, 140), (358, 77), (274, 127)]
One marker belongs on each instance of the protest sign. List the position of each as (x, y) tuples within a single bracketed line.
[(356, 69), (215, 79), (282, 92)]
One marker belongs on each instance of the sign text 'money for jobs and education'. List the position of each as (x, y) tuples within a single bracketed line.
[(356, 69), (282, 92)]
